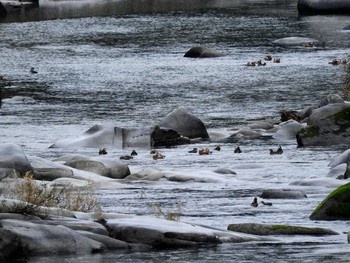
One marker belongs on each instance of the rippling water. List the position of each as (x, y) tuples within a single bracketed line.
[(127, 68)]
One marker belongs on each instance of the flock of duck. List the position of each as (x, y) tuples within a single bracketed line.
[(260, 63), (203, 151)]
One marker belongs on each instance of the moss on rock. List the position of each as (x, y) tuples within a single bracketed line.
[(336, 206)]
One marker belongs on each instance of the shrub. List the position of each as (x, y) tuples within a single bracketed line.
[(173, 215)]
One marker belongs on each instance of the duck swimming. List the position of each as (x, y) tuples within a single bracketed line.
[(255, 202), (238, 150), (194, 150), (278, 151), (102, 151), (33, 71), (133, 153)]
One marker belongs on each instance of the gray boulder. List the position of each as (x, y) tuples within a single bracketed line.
[(47, 170), (283, 194), (264, 229), (110, 243), (13, 161), (101, 165), (185, 124), (327, 125), (336, 206), (202, 52), (40, 239), (10, 246)]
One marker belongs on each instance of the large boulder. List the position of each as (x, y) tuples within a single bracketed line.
[(320, 7), (13, 161), (336, 206), (344, 157), (185, 124), (100, 136), (327, 125), (40, 239), (202, 52)]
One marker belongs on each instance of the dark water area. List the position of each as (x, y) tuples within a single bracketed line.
[(121, 63)]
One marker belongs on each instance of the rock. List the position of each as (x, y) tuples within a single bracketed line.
[(266, 125), (297, 42), (47, 170), (288, 130), (283, 194), (108, 136), (335, 206), (3, 11), (40, 239), (185, 124), (10, 245), (74, 224), (164, 137), (110, 243), (346, 27), (224, 171), (104, 166), (202, 52), (13, 161), (344, 157), (262, 229), (322, 7), (328, 125), (160, 233)]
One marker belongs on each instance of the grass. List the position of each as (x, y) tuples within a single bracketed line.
[(172, 215), (35, 194)]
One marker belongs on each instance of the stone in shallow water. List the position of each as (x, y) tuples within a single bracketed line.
[(262, 229), (283, 194)]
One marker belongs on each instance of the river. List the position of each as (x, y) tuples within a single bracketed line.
[(121, 63)]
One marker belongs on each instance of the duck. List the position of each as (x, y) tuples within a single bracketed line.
[(268, 58), (158, 155), (259, 63), (238, 150), (133, 153), (102, 151), (217, 148), (153, 151), (126, 157), (2, 77), (194, 150), (255, 202), (251, 64), (33, 71), (278, 151), (266, 203), (204, 151), (276, 60)]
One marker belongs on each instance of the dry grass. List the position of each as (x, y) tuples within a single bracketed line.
[(37, 194), (173, 215)]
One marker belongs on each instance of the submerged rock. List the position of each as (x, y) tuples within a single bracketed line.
[(283, 194), (336, 206), (202, 52), (264, 229), (298, 42)]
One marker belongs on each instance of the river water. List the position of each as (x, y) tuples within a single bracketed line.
[(121, 63)]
